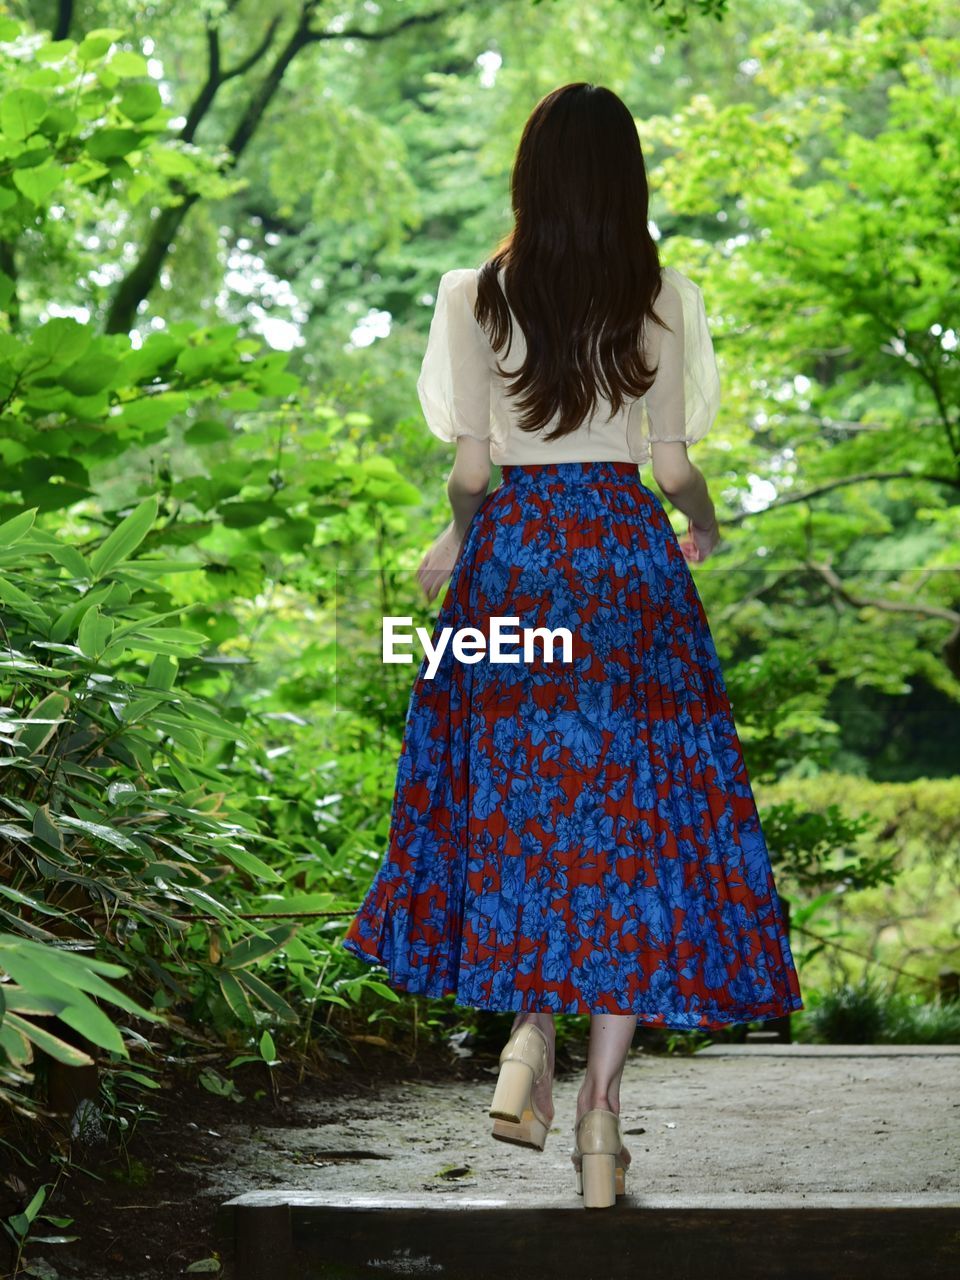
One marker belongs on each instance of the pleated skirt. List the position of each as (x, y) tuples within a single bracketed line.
[(577, 836)]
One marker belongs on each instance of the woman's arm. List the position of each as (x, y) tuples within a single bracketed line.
[(686, 487), (682, 482), (681, 405), (467, 485), (466, 489)]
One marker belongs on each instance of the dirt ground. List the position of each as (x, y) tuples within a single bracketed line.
[(754, 1122), (149, 1214), (797, 1124)]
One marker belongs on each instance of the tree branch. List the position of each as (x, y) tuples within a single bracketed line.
[(951, 646), (208, 91), (926, 370), (261, 98), (828, 485), (142, 276), (64, 18), (217, 77), (889, 606), (755, 592), (254, 57)]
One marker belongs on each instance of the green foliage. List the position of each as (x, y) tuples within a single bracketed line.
[(686, 1043), (866, 1012), (70, 114), (73, 400), (24, 1227), (909, 909), (910, 1020), (815, 849), (111, 820), (816, 208), (199, 535), (42, 982), (850, 1014)]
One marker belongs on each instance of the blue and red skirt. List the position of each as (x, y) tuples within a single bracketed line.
[(578, 836)]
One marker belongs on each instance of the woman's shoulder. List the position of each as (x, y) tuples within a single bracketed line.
[(459, 277), (687, 289), (458, 287)]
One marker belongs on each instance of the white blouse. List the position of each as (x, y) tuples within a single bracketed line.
[(462, 394)]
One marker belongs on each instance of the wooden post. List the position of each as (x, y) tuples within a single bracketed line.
[(68, 1086), (262, 1242), (948, 985)]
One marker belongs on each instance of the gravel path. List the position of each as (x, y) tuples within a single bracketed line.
[(761, 1123)]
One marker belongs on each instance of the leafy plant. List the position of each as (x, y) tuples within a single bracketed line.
[(817, 849), (911, 1020), (20, 1226), (44, 981), (685, 1042), (110, 817), (122, 1090), (211, 1080), (853, 1013)]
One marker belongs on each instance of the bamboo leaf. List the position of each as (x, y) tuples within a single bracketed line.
[(57, 1048), (99, 829), (94, 632), (267, 996), (94, 1025), (235, 996), (252, 950), (44, 828), (125, 538), (19, 925), (15, 1045), (250, 863), (12, 531), (20, 1001), (43, 720), (22, 604)]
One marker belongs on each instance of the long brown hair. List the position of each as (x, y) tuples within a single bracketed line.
[(580, 266)]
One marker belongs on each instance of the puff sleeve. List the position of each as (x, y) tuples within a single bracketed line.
[(683, 402), (455, 376)]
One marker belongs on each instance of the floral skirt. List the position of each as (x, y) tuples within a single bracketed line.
[(577, 836)]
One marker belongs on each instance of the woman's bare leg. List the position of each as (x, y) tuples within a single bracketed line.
[(543, 1089), (611, 1035)]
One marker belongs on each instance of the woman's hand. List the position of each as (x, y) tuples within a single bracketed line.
[(437, 565), (698, 542)]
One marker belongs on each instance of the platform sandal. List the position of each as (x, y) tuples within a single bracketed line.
[(599, 1158), (516, 1117)]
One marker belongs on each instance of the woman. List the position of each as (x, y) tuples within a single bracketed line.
[(575, 836)]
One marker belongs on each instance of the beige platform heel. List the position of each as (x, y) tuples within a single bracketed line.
[(523, 1060), (598, 1158)]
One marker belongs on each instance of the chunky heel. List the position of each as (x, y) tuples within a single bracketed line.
[(599, 1158), (511, 1098), (599, 1179), (620, 1174)]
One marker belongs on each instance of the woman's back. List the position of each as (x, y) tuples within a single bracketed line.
[(574, 831), (462, 393)]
